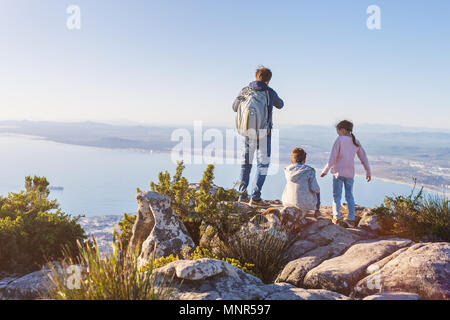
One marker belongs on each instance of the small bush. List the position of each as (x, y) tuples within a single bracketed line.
[(416, 216), (201, 207), (265, 253), (114, 277), (199, 253), (34, 229), (213, 212), (126, 230)]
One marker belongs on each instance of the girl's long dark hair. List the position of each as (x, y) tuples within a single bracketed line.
[(347, 126)]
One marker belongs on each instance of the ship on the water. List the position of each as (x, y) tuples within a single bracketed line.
[(56, 188)]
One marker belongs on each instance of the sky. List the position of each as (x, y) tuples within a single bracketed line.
[(179, 61)]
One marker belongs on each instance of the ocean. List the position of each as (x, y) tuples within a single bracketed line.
[(99, 181)]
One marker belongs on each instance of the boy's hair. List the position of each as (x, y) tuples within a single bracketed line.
[(263, 74), (298, 155)]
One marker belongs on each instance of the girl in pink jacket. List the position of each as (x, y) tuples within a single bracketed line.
[(342, 166)]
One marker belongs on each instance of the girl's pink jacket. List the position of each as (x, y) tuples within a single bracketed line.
[(342, 158)]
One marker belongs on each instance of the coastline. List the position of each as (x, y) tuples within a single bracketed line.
[(429, 188)]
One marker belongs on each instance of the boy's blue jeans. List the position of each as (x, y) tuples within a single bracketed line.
[(337, 195), (263, 151)]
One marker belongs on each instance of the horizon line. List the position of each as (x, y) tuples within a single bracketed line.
[(131, 123)]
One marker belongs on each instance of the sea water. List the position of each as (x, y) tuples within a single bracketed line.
[(98, 181)]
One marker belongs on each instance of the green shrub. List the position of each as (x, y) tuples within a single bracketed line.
[(266, 253), (113, 277), (201, 207), (126, 230), (416, 216), (198, 253), (33, 229), (205, 211)]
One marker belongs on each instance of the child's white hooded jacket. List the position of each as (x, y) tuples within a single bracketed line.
[(301, 187)]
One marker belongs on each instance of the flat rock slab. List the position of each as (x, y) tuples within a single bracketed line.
[(393, 296), (299, 248), (369, 221), (331, 240), (290, 292), (195, 269), (423, 268), (341, 273), (211, 279), (27, 287), (220, 280)]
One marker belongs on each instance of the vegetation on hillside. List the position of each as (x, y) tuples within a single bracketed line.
[(125, 230), (416, 216), (204, 206), (115, 276), (198, 253), (210, 210), (33, 229), (266, 254)]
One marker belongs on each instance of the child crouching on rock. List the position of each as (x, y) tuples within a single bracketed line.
[(302, 189)]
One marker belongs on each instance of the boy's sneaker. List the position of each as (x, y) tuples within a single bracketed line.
[(258, 202), (245, 200), (349, 223), (335, 221)]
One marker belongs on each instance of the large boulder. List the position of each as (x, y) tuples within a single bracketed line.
[(262, 226), (286, 291), (341, 273), (196, 187), (422, 269), (28, 287), (210, 279), (158, 228), (331, 241), (369, 221), (393, 296), (292, 219), (299, 248)]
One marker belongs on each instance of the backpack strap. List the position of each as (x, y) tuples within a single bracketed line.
[(269, 129), (268, 121)]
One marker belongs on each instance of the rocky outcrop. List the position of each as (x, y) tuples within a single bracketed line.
[(286, 291), (158, 228), (326, 261), (393, 296), (326, 241), (291, 218), (262, 226), (369, 221), (210, 279), (422, 269), (27, 287), (341, 273)]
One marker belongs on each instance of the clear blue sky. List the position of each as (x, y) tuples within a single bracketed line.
[(173, 62)]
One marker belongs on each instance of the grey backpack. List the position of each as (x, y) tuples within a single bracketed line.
[(252, 119)]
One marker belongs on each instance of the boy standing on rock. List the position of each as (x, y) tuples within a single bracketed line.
[(254, 107)]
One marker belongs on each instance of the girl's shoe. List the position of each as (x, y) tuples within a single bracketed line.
[(349, 223), (335, 221)]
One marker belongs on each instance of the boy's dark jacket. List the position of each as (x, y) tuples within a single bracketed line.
[(274, 99)]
